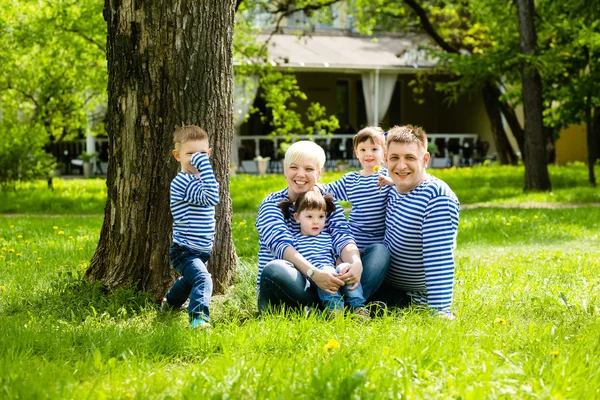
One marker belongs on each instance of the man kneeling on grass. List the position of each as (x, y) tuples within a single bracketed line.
[(421, 227)]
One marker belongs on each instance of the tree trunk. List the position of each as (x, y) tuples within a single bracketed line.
[(492, 106), (535, 160), (593, 142), (169, 64)]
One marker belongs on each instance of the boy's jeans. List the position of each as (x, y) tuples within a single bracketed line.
[(195, 281), (354, 298)]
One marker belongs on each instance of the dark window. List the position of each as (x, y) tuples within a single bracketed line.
[(361, 107)]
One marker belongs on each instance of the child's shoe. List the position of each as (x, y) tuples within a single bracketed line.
[(333, 313), (166, 307), (377, 309), (362, 313), (199, 323)]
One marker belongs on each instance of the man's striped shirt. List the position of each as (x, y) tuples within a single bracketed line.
[(367, 218), (193, 201), (276, 233), (318, 250), (421, 228)]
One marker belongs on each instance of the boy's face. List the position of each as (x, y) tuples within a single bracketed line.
[(369, 154), (406, 165), (187, 150), (311, 222)]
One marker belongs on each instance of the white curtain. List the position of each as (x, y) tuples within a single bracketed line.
[(378, 88), (244, 92)]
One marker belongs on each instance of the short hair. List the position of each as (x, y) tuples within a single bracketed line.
[(186, 133), (304, 150), (311, 200), (372, 133), (407, 134)]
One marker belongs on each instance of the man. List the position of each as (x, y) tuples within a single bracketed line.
[(421, 227)]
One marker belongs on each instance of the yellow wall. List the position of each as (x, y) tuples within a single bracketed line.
[(572, 145)]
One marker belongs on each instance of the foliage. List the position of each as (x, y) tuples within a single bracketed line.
[(22, 155), (526, 302)]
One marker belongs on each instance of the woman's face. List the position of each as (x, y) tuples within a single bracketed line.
[(301, 176)]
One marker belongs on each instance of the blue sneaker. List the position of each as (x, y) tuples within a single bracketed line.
[(199, 323)]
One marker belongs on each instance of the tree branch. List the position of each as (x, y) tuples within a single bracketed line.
[(428, 27), (89, 39)]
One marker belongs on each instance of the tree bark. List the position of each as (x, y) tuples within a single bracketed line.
[(169, 64), (491, 95), (593, 142), (534, 152)]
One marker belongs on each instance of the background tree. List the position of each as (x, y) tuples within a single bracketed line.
[(169, 64)]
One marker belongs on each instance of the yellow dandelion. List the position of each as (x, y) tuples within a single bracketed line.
[(70, 237), (376, 168), (19, 255), (55, 227), (508, 224), (37, 262), (27, 242), (61, 232), (3, 288), (332, 344), (500, 321), (11, 250), (554, 353), (35, 252), (12, 227), (497, 217), (27, 263), (86, 237), (242, 223), (1, 257), (513, 217), (245, 238), (81, 249), (19, 236), (535, 217), (4, 249)]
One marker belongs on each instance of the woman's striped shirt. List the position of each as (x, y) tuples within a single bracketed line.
[(193, 201), (276, 234), (367, 218), (421, 228)]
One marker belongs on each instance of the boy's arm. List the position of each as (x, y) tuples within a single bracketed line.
[(439, 230), (338, 188), (203, 191)]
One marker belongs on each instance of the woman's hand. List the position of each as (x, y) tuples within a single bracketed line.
[(350, 273), (327, 281)]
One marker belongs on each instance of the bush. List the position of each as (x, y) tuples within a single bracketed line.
[(22, 155)]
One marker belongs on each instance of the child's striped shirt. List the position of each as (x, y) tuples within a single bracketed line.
[(367, 218), (421, 228), (318, 250), (193, 201)]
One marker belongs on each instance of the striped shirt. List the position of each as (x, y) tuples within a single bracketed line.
[(421, 228), (367, 218), (193, 201), (276, 233), (318, 250)]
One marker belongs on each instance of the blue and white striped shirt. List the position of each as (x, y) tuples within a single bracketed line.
[(318, 250), (193, 201), (367, 218), (421, 228), (276, 233)]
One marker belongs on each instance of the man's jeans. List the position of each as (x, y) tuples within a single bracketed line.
[(195, 281), (281, 283)]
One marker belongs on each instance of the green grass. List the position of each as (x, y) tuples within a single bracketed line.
[(527, 300), (478, 185), (527, 304)]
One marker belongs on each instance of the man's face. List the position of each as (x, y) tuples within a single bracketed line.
[(406, 165), (187, 150)]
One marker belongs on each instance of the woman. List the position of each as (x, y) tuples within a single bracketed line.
[(282, 270)]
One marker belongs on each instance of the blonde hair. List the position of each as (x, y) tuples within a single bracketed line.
[(407, 134), (186, 133), (372, 133), (304, 150)]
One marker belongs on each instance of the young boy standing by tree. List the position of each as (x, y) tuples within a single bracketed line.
[(367, 218), (194, 195)]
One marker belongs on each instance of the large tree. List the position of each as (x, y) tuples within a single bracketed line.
[(169, 63)]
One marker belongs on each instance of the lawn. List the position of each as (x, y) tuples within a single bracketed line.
[(527, 300)]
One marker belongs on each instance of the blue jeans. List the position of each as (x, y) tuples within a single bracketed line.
[(195, 281), (354, 298), (282, 284)]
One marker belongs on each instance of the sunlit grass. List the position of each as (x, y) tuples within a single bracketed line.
[(526, 299)]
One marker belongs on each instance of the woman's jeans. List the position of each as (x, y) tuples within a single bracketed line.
[(282, 284), (195, 281)]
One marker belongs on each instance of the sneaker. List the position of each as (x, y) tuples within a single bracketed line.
[(362, 313), (199, 323), (333, 313), (166, 307), (377, 308), (311, 311)]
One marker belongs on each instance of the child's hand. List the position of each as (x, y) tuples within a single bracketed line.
[(384, 181)]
